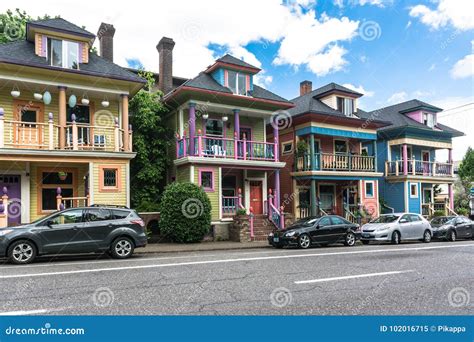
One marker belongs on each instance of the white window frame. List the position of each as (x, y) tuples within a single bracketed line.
[(334, 146), (237, 74), (416, 192), (216, 135), (373, 189), (286, 143), (430, 119), (64, 52)]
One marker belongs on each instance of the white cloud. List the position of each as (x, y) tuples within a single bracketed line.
[(312, 42), (397, 97), (303, 38), (460, 14), (432, 67), (463, 68), (407, 26), (339, 3), (359, 89), (379, 3)]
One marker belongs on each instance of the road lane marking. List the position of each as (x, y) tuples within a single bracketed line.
[(191, 263), (350, 277), (23, 313)]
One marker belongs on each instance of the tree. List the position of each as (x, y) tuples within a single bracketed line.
[(185, 213), (13, 25), (466, 180), (151, 141)]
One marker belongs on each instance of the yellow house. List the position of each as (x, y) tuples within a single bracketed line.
[(65, 138)]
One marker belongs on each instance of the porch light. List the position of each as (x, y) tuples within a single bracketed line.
[(225, 118), (72, 101), (15, 92), (38, 96), (46, 97), (85, 100), (105, 102), (205, 116)]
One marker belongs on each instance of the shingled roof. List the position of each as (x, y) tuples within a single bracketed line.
[(395, 115), (23, 53), (59, 24), (229, 59)]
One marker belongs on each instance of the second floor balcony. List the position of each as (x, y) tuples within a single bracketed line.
[(335, 162), (226, 148), (413, 167)]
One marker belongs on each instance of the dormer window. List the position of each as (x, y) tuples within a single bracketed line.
[(429, 119), (237, 82), (345, 106), (63, 53)]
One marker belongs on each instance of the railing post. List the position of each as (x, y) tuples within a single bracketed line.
[(396, 168), (413, 167), (185, 147), (434, 168), (2, 128), (244, 148), (282, 218), (59, 199), (270, 201), (177, 145), (240, 197), (386, 168), (199, 143), (251, 222), (50, 131), (349, 160), (130, 136), (236, 146), (75, 146), (116, 135)]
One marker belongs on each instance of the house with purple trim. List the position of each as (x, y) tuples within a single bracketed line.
[(219, 118)]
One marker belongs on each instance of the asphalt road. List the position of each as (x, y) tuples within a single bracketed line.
[(408, 279)]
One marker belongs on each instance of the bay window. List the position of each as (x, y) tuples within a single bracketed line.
[(63, 53)]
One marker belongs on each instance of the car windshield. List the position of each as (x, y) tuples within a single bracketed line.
[(385, 219), (442, 220), (309, 221)]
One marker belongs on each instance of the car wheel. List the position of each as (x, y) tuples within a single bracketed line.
[(427, 236), (304, 241), (451, 236), (122, 248), (365, 242), (395, 238), (350, 239), (22, 252)]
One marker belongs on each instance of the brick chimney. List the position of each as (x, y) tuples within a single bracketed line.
[(106, 39), (165, 49), (306, 87)]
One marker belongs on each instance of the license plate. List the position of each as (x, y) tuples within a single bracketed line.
[(275, 239), (365, 235)]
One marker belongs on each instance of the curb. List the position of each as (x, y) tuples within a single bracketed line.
[(200, 249)]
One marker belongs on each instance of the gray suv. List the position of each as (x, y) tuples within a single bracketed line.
[(117, 230)]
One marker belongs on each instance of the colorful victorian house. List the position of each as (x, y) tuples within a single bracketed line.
[(407, 155), (64, 134), (219, 118), (330, 154)]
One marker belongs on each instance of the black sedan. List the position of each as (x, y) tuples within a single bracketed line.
[(316, 231), (452, 228)]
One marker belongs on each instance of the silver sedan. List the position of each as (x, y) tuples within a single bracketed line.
[(397, 227)]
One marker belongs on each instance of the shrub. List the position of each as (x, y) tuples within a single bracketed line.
[(185, 213), (241, 212), (438, 213), (462, 211), (301, 148)]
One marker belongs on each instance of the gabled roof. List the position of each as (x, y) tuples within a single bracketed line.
[(328, 88), (395, 115), (23, 53), (229, 59), (59, 24)]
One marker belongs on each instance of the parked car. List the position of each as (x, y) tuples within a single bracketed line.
[(397, 227), (452, 228), (77, 230), (316, 231)]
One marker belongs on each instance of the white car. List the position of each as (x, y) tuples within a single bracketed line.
[(397, 227)]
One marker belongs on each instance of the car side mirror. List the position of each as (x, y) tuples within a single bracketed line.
[(403, 221), (49, 223)]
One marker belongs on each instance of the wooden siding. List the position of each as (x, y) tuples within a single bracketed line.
[(213, 195), (182, 174), (104, 197)]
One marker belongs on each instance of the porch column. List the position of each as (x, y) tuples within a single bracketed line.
[(125, 126), (311, 152), (312, 191), (62, 117), (277, 188), (375, 155), (192, 127), (450, 160), (2, 128), (451, 196), (237, 122), (276, 138), (405, 159)]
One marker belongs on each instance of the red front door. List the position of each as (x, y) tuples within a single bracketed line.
[(256, 200)]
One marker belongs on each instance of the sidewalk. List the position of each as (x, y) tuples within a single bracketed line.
[(202, 246)]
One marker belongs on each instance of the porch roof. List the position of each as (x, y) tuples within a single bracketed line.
[(336, 132)]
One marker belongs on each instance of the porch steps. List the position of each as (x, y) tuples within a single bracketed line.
[(261, 227)]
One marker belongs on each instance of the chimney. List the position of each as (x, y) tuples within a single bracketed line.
[(165, 49), (306, 87), (106, 39)]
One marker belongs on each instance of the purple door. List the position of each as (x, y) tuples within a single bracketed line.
[(12, 183)]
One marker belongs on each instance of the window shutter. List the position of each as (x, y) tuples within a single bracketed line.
[(226, 78), (44, 46)]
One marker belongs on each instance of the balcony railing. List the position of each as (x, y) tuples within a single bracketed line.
[(226, 148), (335, 162), (39, 135), (418, 168)]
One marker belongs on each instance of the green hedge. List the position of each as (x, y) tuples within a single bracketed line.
[(185, 213)]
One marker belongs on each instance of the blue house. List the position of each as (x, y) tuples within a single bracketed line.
[(406, 152)]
